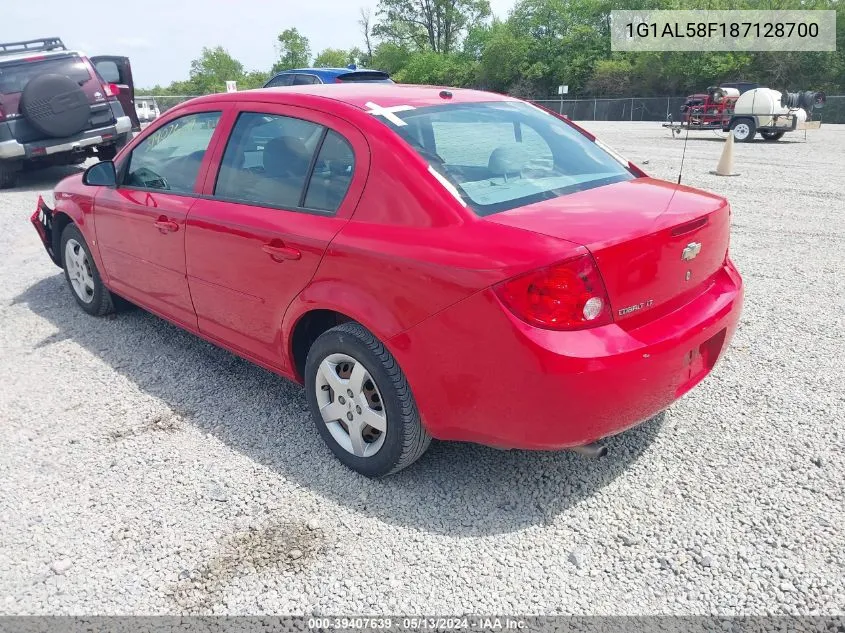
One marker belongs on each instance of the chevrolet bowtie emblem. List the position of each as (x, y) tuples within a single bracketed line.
[(691, 251)]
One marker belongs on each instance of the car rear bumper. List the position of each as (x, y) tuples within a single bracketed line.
[(480, 374), (12, 149)]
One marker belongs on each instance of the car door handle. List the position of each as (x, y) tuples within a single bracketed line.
[(281, 252), (166, 226)]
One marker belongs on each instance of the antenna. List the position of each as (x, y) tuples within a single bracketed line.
[(683, 155)]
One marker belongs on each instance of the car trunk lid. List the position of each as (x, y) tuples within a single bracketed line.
[(655, 243)]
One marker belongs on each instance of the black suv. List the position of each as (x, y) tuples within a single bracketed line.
[(56, 107)]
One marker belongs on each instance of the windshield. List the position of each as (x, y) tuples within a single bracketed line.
[(503, 155)]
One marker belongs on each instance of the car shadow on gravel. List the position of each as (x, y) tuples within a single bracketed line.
[(456, 489), (44, 179)]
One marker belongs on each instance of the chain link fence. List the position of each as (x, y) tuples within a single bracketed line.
[(164, 102), (627, 109), (656, 109)]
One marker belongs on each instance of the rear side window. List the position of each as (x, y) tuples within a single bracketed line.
[(305, 80), (169, 159), (284, 162), (332, 174), (267, 160), (280, 80), (14, 77)]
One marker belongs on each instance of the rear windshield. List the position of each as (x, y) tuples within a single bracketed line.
[(369, 77), (14, 77), (503, 155)]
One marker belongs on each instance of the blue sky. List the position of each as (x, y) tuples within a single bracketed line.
[(162, 37)]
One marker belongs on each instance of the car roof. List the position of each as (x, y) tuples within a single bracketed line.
[(35, 56), (330, 71), (359, 95)]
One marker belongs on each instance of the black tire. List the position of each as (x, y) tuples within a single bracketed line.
[(108, 152), (771, 136), (55, 105), (100, 302), (749, 124), (8, 174), (405, 438)]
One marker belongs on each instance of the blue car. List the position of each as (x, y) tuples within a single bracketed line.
[(303, 76)]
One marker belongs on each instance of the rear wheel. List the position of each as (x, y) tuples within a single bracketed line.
[(8, 173), (361, 402), (743, 130), (108, 152), (82, 275), (771, 136)]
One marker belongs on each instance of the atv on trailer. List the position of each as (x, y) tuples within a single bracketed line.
[(757, 110)]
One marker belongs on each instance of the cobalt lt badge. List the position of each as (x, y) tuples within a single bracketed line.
[(691, 251)]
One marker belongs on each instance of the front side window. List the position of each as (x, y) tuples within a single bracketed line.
[(332, 174), (169, 159), (503, 155)]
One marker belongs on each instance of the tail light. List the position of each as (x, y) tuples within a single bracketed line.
[(112, 90), (569, 295)]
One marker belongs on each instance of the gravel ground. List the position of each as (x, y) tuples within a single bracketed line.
[(146, 471)]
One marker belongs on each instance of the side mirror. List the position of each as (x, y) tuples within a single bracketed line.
[(102, 174)]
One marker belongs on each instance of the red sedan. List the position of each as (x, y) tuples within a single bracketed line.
[(429, 263)]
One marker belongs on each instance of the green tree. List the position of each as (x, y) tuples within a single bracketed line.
[(211, 70), (365, 22), (359, 57), (294, 50), (390, 57), (504, 58), (610, 77), (437, 69), (332, 58), (428, 25), (253, 79)]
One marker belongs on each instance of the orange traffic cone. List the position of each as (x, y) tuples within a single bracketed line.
[(726, 161)]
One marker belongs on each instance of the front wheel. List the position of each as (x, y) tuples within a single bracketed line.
[(82, 275), (361, 402), (743, 130), (771, 136)]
